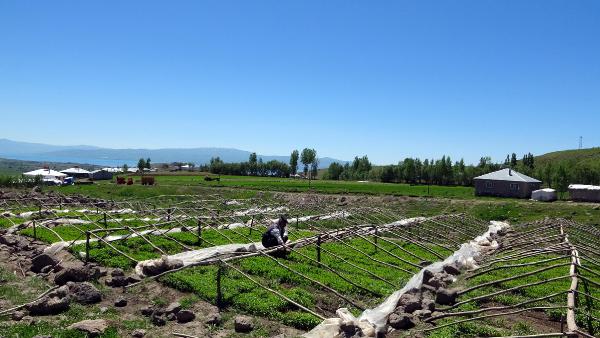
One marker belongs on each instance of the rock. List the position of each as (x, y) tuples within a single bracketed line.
[(147, 310), (428, 288), (428, 304), (446, 296), (173, 308), (117, 272), (422, 313), (84, 293), (243, 324), (427, 275), (409, 302), (116, 281), (92, 327), (436, 281), (76, 274), (213, 318), (48, 306), (17, 315), (103, 309), (161, 265), (185, 316), (138, 333), (133, 279), (452, 269), (46, 269), (171, 316), (401, 321), (158, 320), (40, 262), (350, 329), (121, 302)]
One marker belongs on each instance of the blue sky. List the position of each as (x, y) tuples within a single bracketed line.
[(389, 79)]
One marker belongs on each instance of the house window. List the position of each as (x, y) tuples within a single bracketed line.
[(514, 186), (489, 184)]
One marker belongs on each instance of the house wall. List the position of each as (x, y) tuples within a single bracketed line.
[(584, 195), (101, 175), (503, 188)]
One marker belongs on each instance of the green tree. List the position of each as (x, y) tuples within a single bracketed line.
[(335, 170), (294, 162), (253, 158), (148, 163), (513, 160), (141, 164), (308, 157), (125, 167), (561, 179)]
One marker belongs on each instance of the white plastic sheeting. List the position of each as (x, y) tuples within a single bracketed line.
[(544, 195), (374, 320), (194, 256)]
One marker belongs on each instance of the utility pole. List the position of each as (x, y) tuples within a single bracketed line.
[(580, 142)]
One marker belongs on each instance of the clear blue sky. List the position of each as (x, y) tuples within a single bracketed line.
[(389, 79)]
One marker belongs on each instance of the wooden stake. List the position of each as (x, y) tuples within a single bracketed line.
[(199, 232), (87, 246), (219, 291), (34, 230), (319, 249)]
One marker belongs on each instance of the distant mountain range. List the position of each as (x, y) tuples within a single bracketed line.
[(116, 157)]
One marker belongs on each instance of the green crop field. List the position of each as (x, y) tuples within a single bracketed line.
[(172, 184)]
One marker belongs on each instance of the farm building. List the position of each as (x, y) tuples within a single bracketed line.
[(48, 175), (76, 172), (506, 183), (101, 175), (584, 193)]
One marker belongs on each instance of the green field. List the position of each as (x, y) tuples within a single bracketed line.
[(182, 183)]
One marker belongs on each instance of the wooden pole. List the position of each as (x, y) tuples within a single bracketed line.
[(251, 225), (34, 230), (169, 215), (219, 290), (199, 232), (375, 237), (87, 246), (319, 249)]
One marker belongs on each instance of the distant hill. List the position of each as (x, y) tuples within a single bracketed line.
[(117, 157), (573, 157)]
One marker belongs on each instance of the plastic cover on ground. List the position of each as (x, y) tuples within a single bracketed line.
[(376, 319), (544, 195)]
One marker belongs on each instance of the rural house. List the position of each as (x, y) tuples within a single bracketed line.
[(584, 193), (76, 172), (506, 183), (101, 174)]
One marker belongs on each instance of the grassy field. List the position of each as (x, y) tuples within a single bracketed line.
[(170, 184)]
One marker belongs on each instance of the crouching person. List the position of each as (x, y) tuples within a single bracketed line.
[(277, 234)]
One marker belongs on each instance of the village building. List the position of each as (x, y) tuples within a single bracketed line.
[(506, 183), (584, 193)]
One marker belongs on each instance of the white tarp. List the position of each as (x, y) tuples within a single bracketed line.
[(375, 320), (544, 195), (194, 256)]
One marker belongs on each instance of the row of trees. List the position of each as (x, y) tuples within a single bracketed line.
[(144, 164), (445, 172), (256, 167), (412, 170)]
